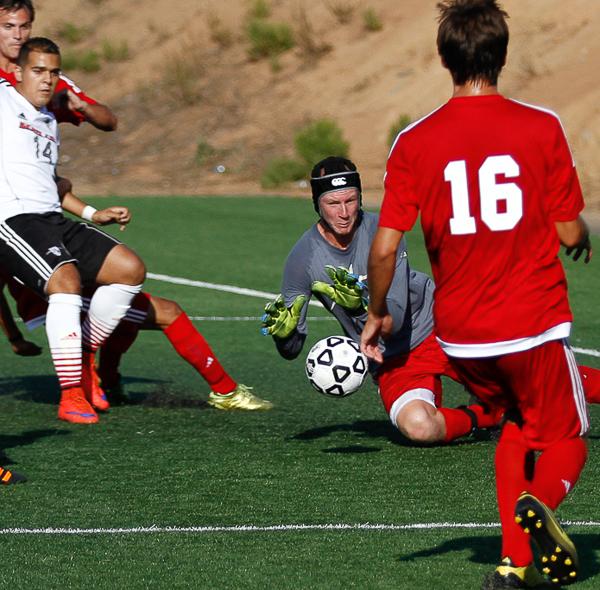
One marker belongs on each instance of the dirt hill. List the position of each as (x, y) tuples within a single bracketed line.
[(179, 77)]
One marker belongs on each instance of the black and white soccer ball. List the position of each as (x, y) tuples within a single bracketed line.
[(335, 366)]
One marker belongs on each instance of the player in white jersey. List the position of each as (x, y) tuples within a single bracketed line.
[(47, 252)]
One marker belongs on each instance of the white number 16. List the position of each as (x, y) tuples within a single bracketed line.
[(490, 192)]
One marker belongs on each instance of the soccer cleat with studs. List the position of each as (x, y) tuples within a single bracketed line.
[(557, 552), (241, 398), (507, 575), (8, 478), (74, 408), (91, 384)]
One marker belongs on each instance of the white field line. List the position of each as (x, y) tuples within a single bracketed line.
[(264, 295), (220, 318), (154, 529), (217, 287)]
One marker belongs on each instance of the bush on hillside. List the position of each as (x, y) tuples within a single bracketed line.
[(268, 39), (282, 170), (320, 139)]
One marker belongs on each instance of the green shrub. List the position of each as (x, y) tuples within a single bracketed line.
[(71, 33), (115, 51), (320, 139), (204, 152), (259, 9), (400, 123), (85, 61), (282, 170), (268, 39), (371, 20)]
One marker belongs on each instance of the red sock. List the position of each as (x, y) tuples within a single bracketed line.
[(511, 461), (114, 348), (458, 423), (192, 346), (557, 470), (591, 384)]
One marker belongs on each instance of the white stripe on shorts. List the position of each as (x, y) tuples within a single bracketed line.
[(26, 252), (421, 393), (578, 393)]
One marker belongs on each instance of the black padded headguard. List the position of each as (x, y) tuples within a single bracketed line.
[(333, 174)]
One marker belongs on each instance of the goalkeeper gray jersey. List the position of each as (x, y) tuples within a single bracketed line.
[(409, 300)]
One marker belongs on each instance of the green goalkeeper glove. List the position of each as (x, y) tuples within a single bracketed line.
[(281, 321), (347, 290)]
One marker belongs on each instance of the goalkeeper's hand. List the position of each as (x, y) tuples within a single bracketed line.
[(347, 290), (281, 321)]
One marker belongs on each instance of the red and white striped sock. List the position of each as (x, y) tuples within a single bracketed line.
[(108, 307), (63, 329)]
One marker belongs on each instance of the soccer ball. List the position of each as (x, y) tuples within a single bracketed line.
[(335, 366)]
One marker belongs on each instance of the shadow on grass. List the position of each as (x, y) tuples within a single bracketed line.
[(43, 389), (368, 429), (486, 550), (29, 437)]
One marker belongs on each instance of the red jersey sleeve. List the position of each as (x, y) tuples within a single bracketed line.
[(400, 206), (59, 103), (563, 192)]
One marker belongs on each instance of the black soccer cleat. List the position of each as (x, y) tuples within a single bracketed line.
[(8, 478), (557, 552), (507, 575)]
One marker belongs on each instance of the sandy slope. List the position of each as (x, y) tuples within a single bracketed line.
[(248, 113)]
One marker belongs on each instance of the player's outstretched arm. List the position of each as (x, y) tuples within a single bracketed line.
[(279, 320), (98, 114), (575, 236), (346, 291)]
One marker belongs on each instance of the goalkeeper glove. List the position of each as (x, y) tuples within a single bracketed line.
[(346, 291), (281, 321)]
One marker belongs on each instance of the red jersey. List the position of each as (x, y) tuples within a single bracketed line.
[(58, 104), (490, 176)]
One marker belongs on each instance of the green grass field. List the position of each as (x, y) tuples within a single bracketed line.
[(208, 499)]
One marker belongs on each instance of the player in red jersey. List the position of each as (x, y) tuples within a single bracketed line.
[(496, 187), (69, 103)]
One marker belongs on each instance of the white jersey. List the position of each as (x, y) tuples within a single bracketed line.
[(28, 155)]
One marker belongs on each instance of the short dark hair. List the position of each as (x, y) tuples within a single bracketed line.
[(39, 44), (472, 39), (14, 5)]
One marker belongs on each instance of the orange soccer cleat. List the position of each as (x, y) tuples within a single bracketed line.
[(91, 384), (75, 408)]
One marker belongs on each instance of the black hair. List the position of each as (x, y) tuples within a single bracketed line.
[(14, 5), (472, 39), (39, 44)]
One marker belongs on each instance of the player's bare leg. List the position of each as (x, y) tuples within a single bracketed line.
[(422, 422)]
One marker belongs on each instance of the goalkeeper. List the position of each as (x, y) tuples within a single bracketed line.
[(329, 262)]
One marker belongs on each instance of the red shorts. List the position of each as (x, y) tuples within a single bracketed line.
[(543, 383), (415, 375)]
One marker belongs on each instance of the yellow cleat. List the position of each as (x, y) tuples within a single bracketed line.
[(241, 398), (506, 575), (550, 538)]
